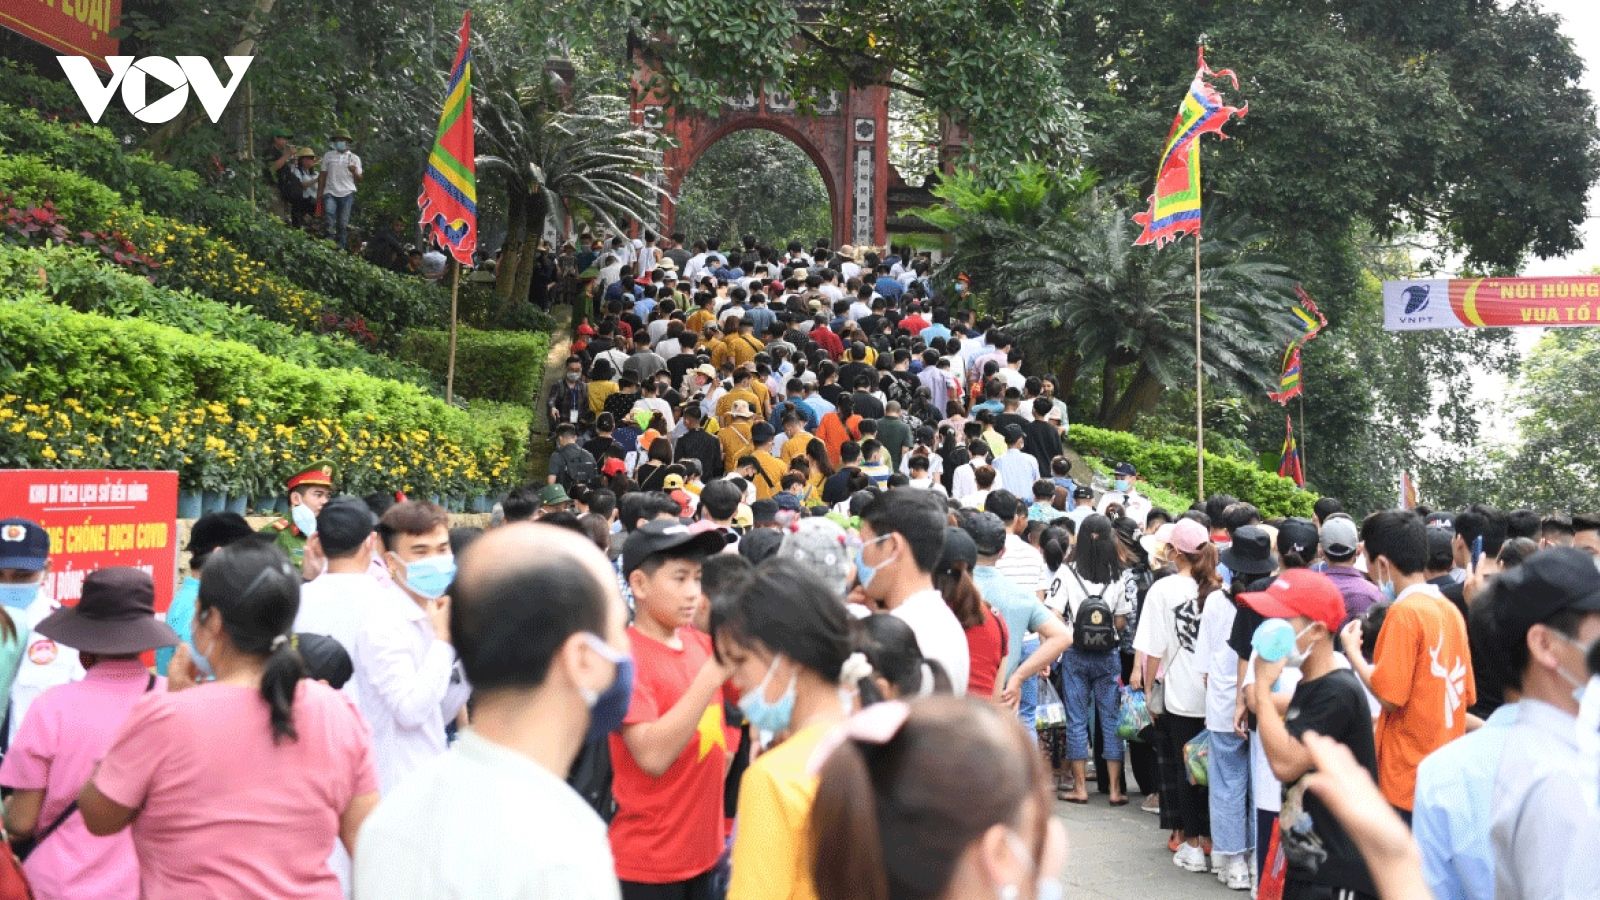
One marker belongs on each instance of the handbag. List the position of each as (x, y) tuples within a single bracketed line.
[(1197, 757), (1133, 717), (1050, 713)]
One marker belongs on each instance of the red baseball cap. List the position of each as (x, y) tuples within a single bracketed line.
[(1300, 592)]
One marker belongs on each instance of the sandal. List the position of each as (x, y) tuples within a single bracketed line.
[(1174, 842)]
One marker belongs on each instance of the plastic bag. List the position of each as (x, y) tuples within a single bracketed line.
[(1134, 716), (1197, 756), (1050, 711)]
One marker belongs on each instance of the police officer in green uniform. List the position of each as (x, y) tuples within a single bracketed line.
[(308, 491)]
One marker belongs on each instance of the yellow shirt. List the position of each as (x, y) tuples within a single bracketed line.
[(771, 857), (698, 320), (796, 446), (598, 392)]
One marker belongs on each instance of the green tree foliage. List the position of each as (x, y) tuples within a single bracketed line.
[(1085, 293), (754, 182), (993, 66), (1557, 465)]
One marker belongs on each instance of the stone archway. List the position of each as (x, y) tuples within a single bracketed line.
[(847, 136)]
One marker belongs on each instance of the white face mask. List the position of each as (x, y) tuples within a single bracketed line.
[(1044, 888)]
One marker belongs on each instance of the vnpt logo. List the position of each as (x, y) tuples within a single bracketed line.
[(1416, 297), (133, 77)]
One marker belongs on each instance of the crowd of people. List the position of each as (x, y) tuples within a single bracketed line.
[(813, 604)]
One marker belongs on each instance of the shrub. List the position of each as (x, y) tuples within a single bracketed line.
[(387, 301), (1172, 466), (73, 277), (506, 366), (83, 390)]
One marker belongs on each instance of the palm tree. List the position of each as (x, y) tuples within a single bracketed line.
[(1084, 294), (982, 219), (559, 149)]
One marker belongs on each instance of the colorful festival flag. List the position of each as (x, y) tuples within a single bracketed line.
[(1408, 490), (449, 198), (1289, 381), (1311, 319), (1289, 465), (1175, 206)]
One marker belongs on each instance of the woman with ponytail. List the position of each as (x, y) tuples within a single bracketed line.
[(899, 670), (939, 799), (1168, 629), (238, 786), (787, 638)]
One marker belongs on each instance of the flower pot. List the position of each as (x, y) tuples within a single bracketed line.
[(280, 505), (482, 503), (189, 504), (213, 501), (238, 504)]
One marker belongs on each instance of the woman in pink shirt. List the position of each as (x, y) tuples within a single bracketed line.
[(68, 729), (238, 787)]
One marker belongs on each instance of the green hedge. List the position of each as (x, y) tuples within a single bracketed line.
[(77, 278), (388, 302), (84, 391), (505, 366), (1172, 466)]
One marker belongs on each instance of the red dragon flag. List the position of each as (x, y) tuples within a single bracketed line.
[(1175, 206), (449, 198)]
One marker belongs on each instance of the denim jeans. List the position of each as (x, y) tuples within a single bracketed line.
[(336, 210), (1228, 778), (1089, 689), (1028, 705)]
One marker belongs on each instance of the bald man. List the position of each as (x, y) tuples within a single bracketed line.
[(540, 628)]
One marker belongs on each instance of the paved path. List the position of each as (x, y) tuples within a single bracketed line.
[(1121, 854)]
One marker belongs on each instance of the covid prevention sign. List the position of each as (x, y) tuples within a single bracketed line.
[(96, 519), (79, 27), (1491, 303)]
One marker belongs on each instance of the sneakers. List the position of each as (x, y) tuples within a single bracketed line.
[(1190, 858), (1152, 804), (1236, 873)]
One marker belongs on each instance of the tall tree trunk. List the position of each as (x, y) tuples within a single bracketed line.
[(1108, 389), (1139, 398), (538, 212), (160, 143), (1067, 373), (505, 273)]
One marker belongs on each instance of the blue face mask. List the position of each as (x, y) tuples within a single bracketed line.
[(340, 146), (865, 572), (304, 519), (18, 596), (201, 661), (1120, 484), (431, 576), (770, 717), (608, 708)]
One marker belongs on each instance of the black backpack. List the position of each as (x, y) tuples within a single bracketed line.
[(580, 466), (1094, 628)]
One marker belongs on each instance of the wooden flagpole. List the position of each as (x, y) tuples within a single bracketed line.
[(450, 368), (1305, 461), (1199, 385)]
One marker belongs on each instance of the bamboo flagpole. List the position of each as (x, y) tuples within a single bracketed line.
[(1199, 385), (450, 367), (1305, 462)]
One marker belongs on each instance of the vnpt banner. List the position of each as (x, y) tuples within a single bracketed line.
[(78, 27), (1491, 303)]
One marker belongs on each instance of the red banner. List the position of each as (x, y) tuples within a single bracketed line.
[(97, 519), (1491, 303), (74, 27)]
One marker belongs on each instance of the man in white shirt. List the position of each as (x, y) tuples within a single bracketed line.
[(1134, 504), (24, 571), (341, 600), (341, 174), (1082, 505), (407, 678), (1017, 468), (902, 534), (494, 818), (849, 268), (1022, 563)]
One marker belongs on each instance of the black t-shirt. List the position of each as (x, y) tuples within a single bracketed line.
[(831, 392), (600, 447), (1335, 706), (836, 489), (866, 406), (850, 371)]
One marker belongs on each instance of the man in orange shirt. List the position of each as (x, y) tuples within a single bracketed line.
[(1423, 675)]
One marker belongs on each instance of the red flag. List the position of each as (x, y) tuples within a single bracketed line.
[(1289, 467), (1289, 381), (449, 198)]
